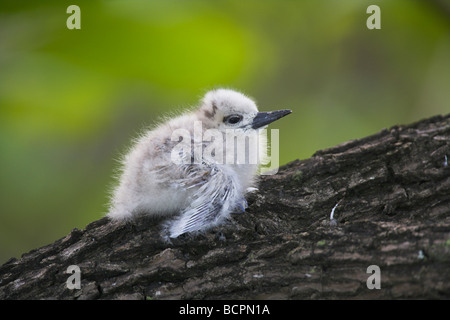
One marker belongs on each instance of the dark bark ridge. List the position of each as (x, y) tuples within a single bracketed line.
[(390, 197)]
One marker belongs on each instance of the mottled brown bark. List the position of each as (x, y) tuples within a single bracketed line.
[(392, 192)]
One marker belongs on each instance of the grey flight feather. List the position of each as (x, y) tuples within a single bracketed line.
[(211, 204)]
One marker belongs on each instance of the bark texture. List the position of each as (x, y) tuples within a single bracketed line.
[(390, 197)]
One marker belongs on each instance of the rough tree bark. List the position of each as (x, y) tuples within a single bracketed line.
[(391, 198)]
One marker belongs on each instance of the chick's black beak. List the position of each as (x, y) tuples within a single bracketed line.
[(264, 118)]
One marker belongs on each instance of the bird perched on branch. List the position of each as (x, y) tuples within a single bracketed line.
[(195, 168)]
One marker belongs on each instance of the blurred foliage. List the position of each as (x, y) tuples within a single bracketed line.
[(71, 100)]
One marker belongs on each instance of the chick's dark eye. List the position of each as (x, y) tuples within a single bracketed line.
[(233, 119)]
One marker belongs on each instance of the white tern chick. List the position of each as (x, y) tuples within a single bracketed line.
[(186, 167)]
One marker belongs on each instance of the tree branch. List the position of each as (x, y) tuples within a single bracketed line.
[(390, 197)]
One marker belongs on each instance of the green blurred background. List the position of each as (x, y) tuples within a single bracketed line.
[(71, 100)]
